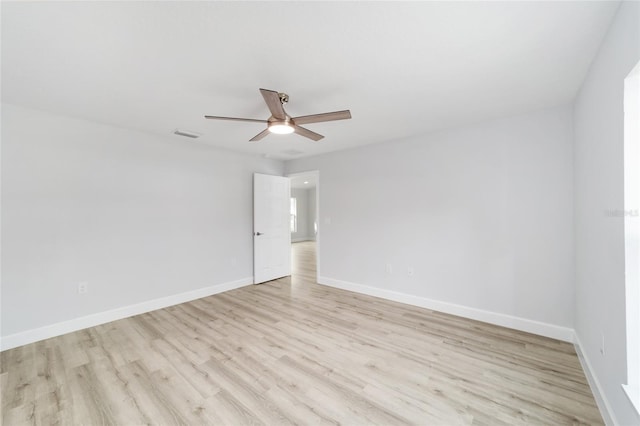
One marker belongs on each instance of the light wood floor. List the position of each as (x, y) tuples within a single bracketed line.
[(292, 351)]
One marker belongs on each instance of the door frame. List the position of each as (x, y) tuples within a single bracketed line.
[(316, 174)]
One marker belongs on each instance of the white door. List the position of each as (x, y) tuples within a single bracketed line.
[(271, 232)]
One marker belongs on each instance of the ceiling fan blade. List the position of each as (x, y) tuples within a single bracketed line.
[(254, 120), (327, 116), (307, 133), (272, 98), (260, 135)]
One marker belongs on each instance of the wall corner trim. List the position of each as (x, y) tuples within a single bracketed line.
[(25, 337), (594, 383), (530, 326)]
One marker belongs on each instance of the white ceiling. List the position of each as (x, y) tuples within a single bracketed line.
[(305, 180), (404, 69)]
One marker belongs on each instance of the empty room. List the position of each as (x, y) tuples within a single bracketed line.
[(356, 213)]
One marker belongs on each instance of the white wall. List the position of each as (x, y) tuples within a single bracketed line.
[(311, 217), (136, 216), (599, 237), (306, 214), (302, 202), (483, 214)]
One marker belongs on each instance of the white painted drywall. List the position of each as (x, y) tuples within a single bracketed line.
[(311, 217), (306, 201), (302, 201), (136, 216), (599, 190), (483, 214)]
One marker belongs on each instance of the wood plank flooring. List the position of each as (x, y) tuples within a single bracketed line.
[(295, 352)]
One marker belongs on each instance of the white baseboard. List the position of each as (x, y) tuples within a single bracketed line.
[(596, 389), (536, 327), (36, 334)]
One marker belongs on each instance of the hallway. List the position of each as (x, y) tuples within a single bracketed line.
[(303, 262)]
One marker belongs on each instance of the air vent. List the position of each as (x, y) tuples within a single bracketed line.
[(186, 133)]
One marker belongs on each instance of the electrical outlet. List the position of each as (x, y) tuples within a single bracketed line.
[(410, 271), (388, 268), (83, 287)]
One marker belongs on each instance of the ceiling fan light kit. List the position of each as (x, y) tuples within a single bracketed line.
[(281, 123), (281, 127)]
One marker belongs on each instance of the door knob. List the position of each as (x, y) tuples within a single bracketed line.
[(259, 233)]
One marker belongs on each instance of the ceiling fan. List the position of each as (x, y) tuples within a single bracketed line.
[(282, 123)]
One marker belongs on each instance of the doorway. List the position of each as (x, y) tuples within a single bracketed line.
[(304, 225)]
